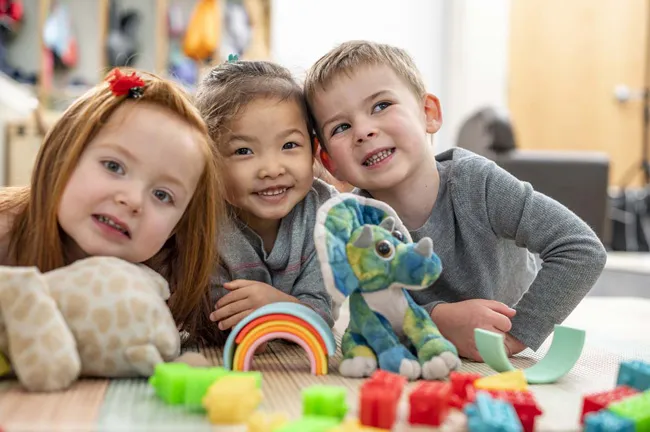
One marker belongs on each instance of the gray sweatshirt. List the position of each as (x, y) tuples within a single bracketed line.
[(485, 224), (292, 266)]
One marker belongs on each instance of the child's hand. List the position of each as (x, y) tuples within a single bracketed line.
[(457, 321), (244, 297), (513, 346)]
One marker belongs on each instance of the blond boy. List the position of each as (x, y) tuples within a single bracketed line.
[(373, 118)]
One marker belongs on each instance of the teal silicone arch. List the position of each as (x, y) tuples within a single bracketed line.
[(563, 354), (294, 309)]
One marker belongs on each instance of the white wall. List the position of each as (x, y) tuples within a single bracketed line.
[(476, 70), (460, 46), (303, 30)]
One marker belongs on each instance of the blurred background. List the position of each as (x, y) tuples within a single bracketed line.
[(555, 92)]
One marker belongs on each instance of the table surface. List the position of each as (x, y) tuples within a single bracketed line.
[(633, 262), (615, 331)]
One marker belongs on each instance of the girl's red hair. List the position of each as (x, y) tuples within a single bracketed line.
[(186, 260)]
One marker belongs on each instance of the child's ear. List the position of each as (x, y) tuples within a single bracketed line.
[(433, 113), (327, 162)]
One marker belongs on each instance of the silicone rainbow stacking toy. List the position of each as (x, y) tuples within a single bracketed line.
[(290, 321)]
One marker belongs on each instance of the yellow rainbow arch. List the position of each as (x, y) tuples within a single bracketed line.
[(319, 360), (289, 321)]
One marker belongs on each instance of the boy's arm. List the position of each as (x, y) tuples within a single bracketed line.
[(573, 256), (309, 289), (429, 306)]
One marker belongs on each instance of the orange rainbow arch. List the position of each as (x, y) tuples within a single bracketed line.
[(289, 321)]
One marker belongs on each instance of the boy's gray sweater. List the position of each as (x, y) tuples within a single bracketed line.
[(485, 224)]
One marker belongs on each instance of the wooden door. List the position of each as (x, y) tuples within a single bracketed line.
[(567, 58)]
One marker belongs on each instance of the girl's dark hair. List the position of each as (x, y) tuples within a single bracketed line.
[(226, 90)]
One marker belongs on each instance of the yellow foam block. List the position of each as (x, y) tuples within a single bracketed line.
[(232, 399), (353, 425), (5, 367), (512, 380), (265, 422)]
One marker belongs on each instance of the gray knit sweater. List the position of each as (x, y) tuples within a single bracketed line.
[(292, 266), (485, 224)]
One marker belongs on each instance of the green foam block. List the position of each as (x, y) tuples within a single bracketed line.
[(563, 354)]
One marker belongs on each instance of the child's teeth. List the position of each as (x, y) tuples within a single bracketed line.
[(109, 222), (273, 192), (378, 157)]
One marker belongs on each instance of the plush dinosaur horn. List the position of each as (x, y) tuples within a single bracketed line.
[(388, 223), (424, 247), (365, 239)]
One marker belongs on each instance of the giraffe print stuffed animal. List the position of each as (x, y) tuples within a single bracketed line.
[(100, 316)]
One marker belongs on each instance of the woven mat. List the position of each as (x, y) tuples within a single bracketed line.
[(74, 410), (131, 405)]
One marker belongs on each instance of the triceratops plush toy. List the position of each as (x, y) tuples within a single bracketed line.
[(100, 316), (366, 254)]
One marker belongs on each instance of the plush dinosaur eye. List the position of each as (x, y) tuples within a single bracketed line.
[(384, 249), (398, 235)]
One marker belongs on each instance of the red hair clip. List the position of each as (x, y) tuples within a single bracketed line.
[(131, 86)]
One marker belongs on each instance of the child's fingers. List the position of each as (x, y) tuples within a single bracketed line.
[(229, 310), (470, 352), (475, 355), (501, 322), (231, 297), (501, 308), (237, 283), (216, 316), (513, 345), (234, 320)]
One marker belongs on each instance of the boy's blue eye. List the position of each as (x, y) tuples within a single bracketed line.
[(340, 128), (289, 145), (380, 107), (163, 196), (243, 151), (113, 166)]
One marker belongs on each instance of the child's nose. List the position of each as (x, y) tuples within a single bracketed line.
[(364, 132), (132, 199), (272, 168), (363, 138)]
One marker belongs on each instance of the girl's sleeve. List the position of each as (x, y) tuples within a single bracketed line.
[(310, 290)]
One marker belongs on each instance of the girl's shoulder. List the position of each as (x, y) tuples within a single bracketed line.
[(305, 211), (322, 190)]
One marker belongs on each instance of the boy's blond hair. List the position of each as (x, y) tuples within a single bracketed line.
[(349, 56)]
